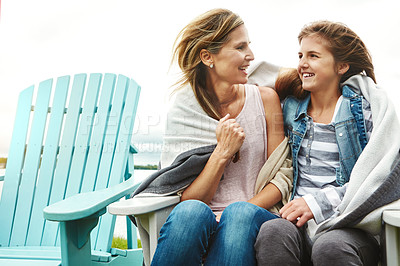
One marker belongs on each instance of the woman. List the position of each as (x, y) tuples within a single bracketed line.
[(219, 213), (328, 128)]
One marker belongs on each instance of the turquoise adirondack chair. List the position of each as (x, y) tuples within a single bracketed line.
[(78, 143)]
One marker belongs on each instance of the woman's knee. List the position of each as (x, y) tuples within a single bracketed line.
[(238, 225), (192, 210), (191, 215), (246, 213), (239, 211), (190, 221), (190, 224)]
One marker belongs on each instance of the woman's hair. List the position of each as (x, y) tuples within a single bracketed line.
[(344, 44), (208, 31)]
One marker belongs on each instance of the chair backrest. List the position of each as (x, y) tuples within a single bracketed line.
[(77, 142)]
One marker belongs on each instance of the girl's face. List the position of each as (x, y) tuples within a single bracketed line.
[(233, 59), (317, 66)]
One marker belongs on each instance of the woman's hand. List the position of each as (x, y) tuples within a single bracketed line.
[(230, 137), (297, 211)]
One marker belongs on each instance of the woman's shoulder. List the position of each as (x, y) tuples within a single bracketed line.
[(270, 100), (268, 95), (184, 100)]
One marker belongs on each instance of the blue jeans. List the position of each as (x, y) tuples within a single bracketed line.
[(191, 231)]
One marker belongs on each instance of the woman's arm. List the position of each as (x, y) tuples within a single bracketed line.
[(267, 197), (270, 195), (230, 137), (273, 117)]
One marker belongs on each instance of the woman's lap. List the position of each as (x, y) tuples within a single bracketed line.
[(191, 230)]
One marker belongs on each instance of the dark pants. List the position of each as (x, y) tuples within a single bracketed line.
[(280, 242)]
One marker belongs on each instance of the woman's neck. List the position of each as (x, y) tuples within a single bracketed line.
[(230, 99)]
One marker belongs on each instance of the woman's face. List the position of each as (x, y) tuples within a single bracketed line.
[(232, 61), (317, 66)]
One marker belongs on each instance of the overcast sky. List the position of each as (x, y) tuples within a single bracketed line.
[(49, 38)]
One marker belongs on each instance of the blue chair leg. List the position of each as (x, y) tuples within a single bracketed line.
[(75, 241)]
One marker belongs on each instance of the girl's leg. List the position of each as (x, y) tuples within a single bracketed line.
[(280, 242), (347, 246), (184, 236), (233, 243)]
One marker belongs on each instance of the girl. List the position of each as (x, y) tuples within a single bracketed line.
[(328, 126)]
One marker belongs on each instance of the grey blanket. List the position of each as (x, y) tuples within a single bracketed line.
[(388, 192), (176, 177)]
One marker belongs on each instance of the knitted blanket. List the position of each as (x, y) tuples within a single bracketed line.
[(187, 127)]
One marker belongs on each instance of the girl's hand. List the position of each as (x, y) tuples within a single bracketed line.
[(297, 211), (230, 137)]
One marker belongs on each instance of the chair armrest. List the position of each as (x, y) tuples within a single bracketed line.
[(391, 220), (150, 213), (142, 205), (391, 217), (87, 204)]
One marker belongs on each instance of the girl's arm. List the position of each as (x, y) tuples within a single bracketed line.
[(270, 195), (321, 206), (230, 137)]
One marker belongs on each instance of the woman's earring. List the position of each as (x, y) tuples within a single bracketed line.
[(212, 65)]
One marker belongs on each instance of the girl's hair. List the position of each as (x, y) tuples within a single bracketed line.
[(288, 83), (208, 31), (345, 46)]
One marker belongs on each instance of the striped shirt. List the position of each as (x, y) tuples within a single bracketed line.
[(318, 162)]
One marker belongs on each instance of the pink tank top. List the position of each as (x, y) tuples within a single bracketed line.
[(239, 178)]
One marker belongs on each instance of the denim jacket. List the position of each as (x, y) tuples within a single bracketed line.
[(351, 135)]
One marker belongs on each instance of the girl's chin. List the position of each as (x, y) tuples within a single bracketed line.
[(306, 86)]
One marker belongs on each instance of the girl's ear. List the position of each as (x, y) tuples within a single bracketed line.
[(206, 57), (343, 68)]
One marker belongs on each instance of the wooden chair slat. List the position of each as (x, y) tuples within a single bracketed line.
[(84, 133), (14, 165), (66, 151), (49, 160), (31, 165), (121, 153)]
